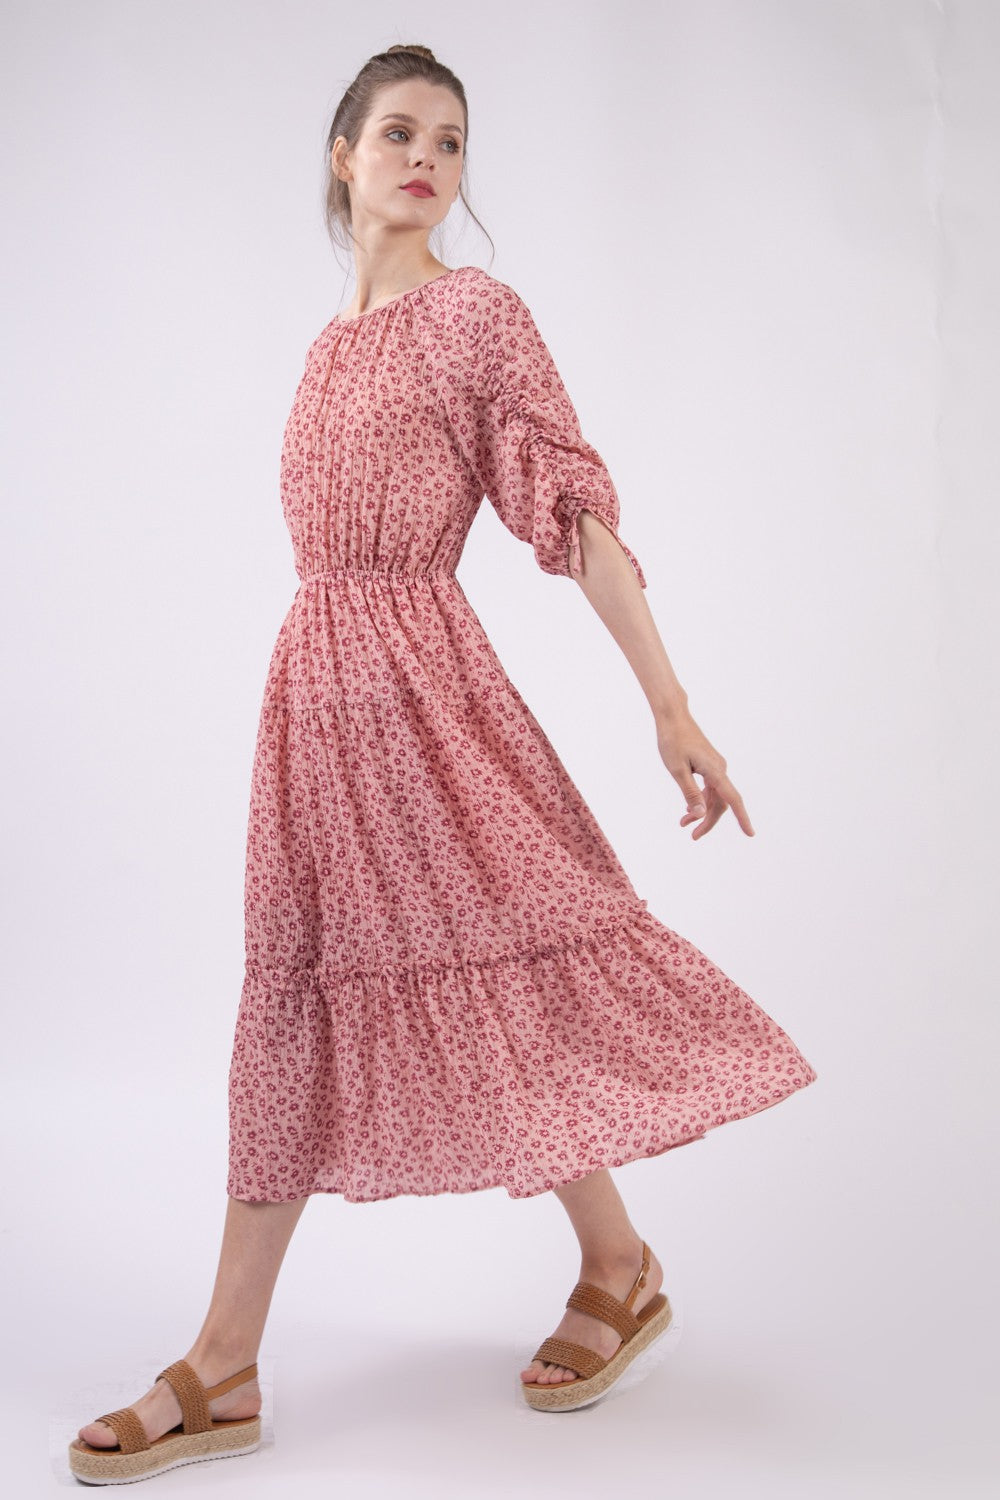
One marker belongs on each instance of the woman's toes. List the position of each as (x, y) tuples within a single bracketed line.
[(98, 1435), (538, 1373)]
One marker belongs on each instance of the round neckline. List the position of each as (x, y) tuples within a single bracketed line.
[(453, 271)]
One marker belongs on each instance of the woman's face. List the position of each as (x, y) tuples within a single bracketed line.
[(414, 133)]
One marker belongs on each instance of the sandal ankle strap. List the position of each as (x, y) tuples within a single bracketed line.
[(250, 1373), (640, 1280)]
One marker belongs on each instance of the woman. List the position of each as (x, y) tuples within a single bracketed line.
[(450, 982)]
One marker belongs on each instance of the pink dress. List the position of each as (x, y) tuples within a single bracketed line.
[(450, 981)]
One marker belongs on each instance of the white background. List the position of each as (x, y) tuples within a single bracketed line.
[(761, 242)]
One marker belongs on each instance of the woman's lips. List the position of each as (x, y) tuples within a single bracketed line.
[(419, 192)]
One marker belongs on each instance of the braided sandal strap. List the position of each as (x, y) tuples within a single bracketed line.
[(571, 1357), (190, 1393), (601, 1304), (128, 1429)]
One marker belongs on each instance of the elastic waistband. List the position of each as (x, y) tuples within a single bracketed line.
[(410, 573)]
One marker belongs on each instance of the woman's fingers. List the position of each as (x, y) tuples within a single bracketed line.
[(735, 801), (721, 795), (710, 812), (682, 761), (693, 795)]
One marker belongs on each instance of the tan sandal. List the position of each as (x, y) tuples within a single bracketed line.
[(595, 1374), (202, 1437)]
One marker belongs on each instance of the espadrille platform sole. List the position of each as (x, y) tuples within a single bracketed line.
[(597, 1375), (198, 1437)]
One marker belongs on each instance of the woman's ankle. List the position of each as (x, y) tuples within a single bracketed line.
[(612, 1257), (216, 1360)]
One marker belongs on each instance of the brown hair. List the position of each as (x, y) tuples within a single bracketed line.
[(391, 66)]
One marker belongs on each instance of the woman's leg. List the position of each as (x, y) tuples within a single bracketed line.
[(611, 1257), (254, 1242)]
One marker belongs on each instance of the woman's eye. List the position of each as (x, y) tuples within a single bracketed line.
[(448, 140)]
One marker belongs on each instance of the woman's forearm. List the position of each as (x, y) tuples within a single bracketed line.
[(610, 584)]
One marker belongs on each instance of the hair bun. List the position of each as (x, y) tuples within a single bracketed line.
[(407, 47)]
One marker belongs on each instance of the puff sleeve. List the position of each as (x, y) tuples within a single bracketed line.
[(536, 468)]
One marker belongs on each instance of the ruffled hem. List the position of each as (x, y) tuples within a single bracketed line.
[(523, 1073)]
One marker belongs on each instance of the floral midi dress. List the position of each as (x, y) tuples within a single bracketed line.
[(450, 982)]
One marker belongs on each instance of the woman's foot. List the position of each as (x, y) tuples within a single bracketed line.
[(159, 1410), (617, 1277)]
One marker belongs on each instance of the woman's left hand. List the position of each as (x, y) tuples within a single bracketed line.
[(686, 752)]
